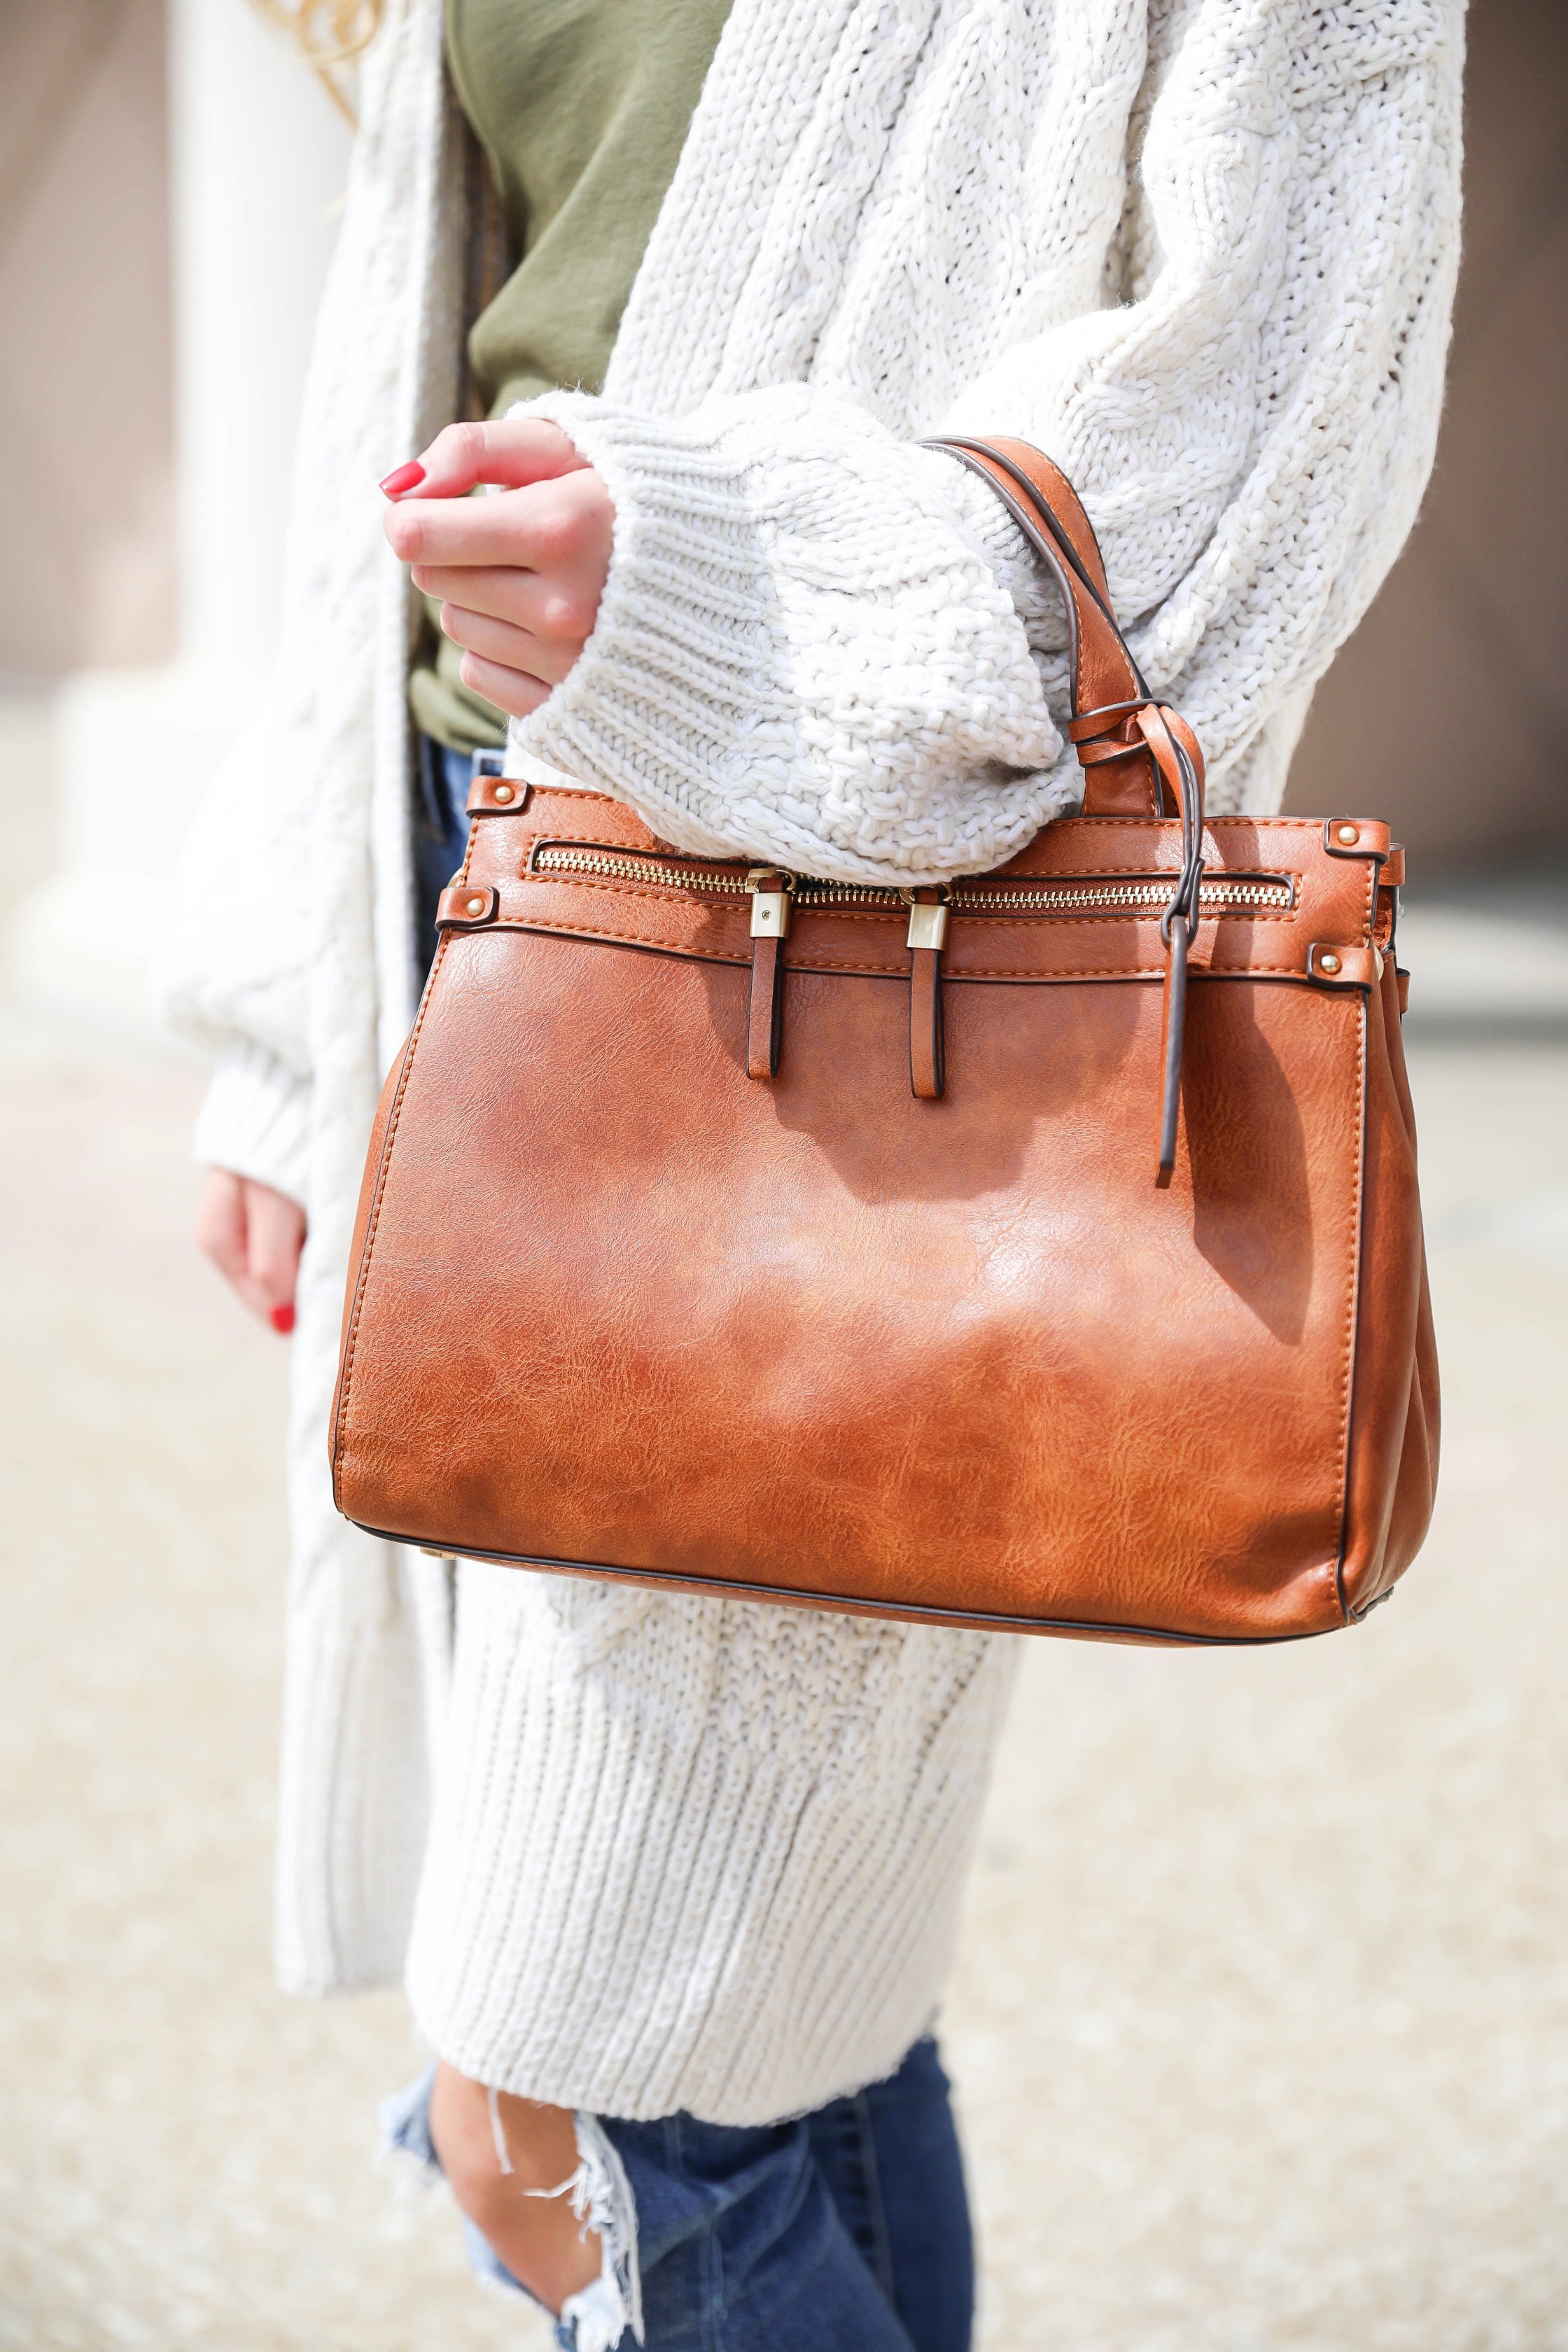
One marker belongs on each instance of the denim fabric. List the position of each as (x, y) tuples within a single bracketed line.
[(440, 835), (847, 2231), (890, 2159)]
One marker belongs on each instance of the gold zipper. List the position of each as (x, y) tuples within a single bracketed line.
[(636, 865), (1220, 895), (831, 896)]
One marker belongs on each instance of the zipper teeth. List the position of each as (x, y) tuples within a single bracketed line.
[(635, 868), (1051, 898), (845, 894), (1072, 896)]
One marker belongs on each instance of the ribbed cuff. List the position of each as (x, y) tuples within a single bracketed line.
[(254, 1119)]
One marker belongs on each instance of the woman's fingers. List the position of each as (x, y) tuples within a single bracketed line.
[(530, 599), (520, 573), (254, 1236), (561, 527), (527, 450), (220, 1223), (511, 648), (276, 1236), (508, 690)]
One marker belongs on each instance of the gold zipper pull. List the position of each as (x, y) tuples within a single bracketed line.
[(927, 922), (773, 908), (927, 937), (772, 901)]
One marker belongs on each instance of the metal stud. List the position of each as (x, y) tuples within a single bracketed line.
[(475, 906), (1328, 963), (1348, 835), (503, 793)]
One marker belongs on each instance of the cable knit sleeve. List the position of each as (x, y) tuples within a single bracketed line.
[(812, 646), (801, 648)]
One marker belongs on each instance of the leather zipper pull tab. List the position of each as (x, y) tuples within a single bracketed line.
[(1174, 748), (927, 937), (1172, 1029), (772, 905)]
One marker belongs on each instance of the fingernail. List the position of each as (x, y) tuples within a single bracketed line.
[(282, 1319), (405, 477)]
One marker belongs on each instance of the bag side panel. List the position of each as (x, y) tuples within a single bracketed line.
[(1394, 1422)]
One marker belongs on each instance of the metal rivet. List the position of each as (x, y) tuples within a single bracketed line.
[(477, 907), (503, 793), (1349, 834), (1328, 963)]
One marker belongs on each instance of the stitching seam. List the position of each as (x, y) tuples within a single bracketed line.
[(352, 1341), (897, 971), (1353, 1305)]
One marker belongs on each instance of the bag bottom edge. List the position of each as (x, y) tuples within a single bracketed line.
[(851, 1605)]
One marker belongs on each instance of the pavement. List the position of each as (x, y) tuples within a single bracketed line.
[(1260, 2022)]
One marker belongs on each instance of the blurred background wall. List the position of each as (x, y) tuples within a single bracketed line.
[(85, 362), (1447, 711), (168, 173)]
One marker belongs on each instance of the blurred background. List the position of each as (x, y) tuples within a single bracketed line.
[(1260, 2028)]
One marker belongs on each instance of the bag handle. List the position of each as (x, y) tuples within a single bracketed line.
[(1142, 758), (1106, 685), (1047, 488)]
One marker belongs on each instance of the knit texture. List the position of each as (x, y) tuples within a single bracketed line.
[(691, 1851), (690, 1854), (255, 1118)]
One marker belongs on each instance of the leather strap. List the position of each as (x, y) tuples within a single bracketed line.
[(1051, 487), (764, 1019), (1173, 747), (928, 1072), (1107, 684), (765, 1026), (1172, 1030), (927, 1061)]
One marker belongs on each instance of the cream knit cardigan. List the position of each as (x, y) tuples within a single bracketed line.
[(687, 1852)]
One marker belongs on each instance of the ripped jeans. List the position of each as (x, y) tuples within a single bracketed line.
[(847, 2231)]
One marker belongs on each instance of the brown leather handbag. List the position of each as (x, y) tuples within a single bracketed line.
[(1039, 1251)]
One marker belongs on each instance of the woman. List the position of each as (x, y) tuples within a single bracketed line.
[(673, 1881)]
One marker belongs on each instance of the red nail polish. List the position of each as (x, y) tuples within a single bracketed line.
[(282, 1319), (405, 477)]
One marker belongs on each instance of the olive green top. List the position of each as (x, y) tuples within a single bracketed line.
[(582, 107)]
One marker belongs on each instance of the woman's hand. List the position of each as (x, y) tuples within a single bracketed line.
[(520, 573), (254, 1236)]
